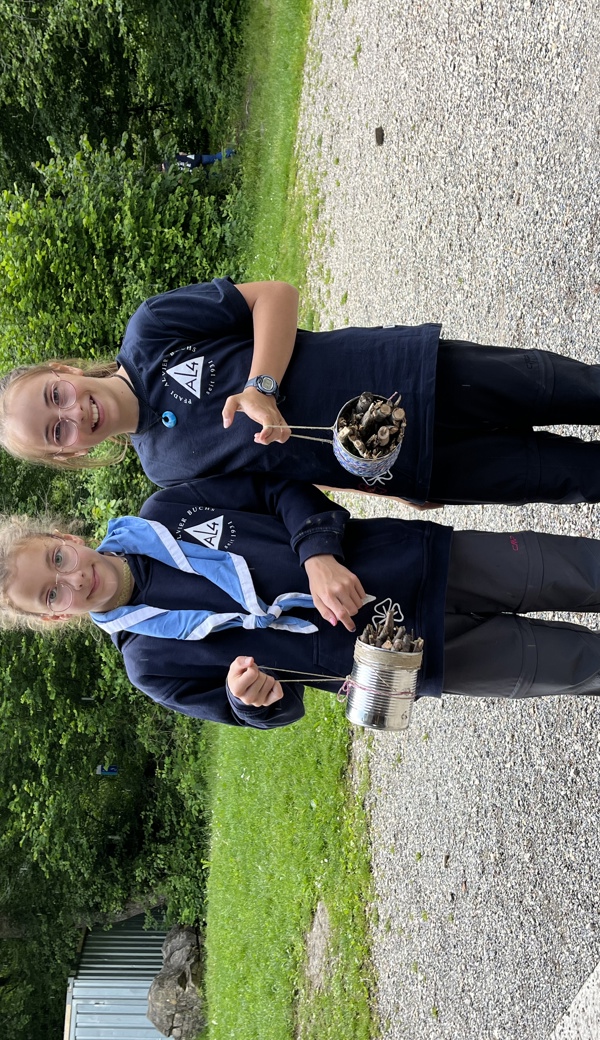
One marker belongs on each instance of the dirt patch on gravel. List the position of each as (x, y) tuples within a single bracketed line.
[(317, 948)]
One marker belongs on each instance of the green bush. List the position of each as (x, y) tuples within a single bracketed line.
[(75, 846), (89, 227), (79, 254)]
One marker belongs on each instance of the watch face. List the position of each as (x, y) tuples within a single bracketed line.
[(267, 384)]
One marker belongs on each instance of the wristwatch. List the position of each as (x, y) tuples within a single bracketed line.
[(265, 385)]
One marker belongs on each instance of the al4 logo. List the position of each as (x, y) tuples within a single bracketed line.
[(208, 533), (188, 374)]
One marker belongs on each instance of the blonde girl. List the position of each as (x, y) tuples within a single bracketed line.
[(209, 376), (228, 594)]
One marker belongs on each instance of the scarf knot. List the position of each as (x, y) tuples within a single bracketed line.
[(252, 621)]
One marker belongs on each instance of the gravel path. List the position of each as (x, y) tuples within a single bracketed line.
[(480, 210)]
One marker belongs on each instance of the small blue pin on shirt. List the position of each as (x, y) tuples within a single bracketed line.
[(169, 420)]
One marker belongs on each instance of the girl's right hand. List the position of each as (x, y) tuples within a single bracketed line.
[(262, 410), (250, 685), (337, 593)]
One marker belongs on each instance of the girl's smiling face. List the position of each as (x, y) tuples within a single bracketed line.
[(98, 408), (94, 584)]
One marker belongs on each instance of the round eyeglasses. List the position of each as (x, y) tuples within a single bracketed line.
[(65, 432), (65, 560)]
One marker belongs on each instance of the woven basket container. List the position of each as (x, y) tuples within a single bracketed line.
[(368, 468), (382, 686)]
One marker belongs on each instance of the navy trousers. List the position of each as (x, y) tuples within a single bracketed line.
[(491, 649), (488, 399)]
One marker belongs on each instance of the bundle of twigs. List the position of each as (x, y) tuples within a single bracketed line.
[(387, 635), (371, 427)]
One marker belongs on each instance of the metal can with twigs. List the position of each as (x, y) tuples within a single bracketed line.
[(382, 685), (367, 435)]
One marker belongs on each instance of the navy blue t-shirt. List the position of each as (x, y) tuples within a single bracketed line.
[(276, 525), (187, 350)]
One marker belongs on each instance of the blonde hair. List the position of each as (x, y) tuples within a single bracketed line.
[(21, 450), (15, 533)]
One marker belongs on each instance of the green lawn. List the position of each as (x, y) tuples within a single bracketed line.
[(288, 829), (274, 52), (286, 833)]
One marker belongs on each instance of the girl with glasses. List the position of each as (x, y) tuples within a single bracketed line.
[(209, 376), (228, 594)]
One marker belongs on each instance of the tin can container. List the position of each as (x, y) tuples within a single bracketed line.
[(367, 468), (381, 687)]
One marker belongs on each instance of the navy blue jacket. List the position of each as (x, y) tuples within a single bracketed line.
[(187, 350), (276, 525)]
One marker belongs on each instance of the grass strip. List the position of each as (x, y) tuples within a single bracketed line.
[(288, 830), (275, 40), (286, 833)]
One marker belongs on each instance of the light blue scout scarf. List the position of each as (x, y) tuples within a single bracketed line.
[(131, 534)]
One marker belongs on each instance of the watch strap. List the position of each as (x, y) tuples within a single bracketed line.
[(270, 390)]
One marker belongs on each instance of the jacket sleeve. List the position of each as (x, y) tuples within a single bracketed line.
[(203, 694), (282, 713), (315, 524)]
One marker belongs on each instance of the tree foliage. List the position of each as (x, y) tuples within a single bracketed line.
[(156, 67), (76, 257), (75, 846), (101, 233), (92, 96)]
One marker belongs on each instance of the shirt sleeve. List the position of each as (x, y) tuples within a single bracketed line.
[(209, 309)]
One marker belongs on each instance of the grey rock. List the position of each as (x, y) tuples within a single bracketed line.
[(174, 1004)]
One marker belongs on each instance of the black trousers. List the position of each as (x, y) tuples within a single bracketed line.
[(493, 651), (488, 399)]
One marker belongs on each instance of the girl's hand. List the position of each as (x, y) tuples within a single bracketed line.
[(250, 685), (263, 410), (337, 592)]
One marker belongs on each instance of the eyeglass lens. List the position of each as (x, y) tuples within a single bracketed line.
[(65, 432), (65, 560)]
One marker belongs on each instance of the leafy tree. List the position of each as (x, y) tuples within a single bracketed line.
[(86, 233), (75, 846), (71, 67), (78, 256)]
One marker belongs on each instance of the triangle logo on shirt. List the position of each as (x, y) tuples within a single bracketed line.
[(188, 374), (209, 533)]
